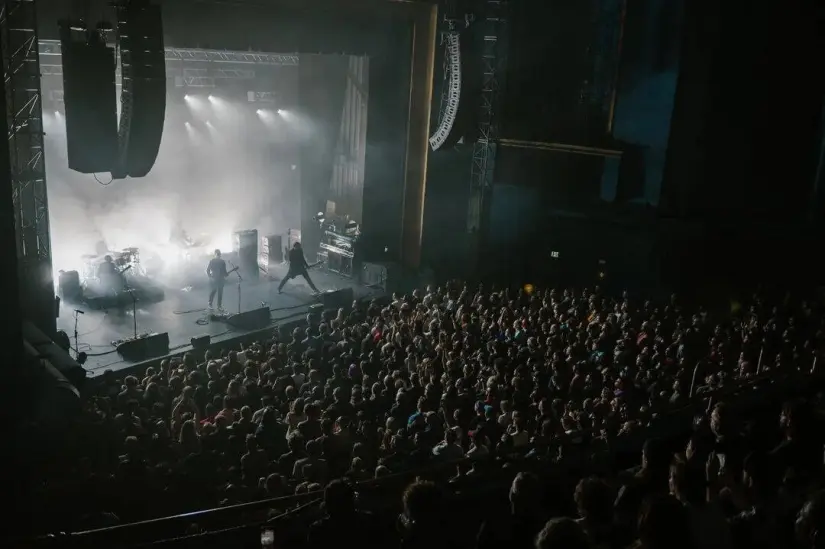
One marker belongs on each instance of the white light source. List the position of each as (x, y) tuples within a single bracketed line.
[(211, 99), (186, 97), (57, 114), (259, 112), (280, 111), (187, 124)]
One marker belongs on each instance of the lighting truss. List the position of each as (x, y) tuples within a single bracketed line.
[(21, 72), (493, 26), (50, 56), (261, 97)]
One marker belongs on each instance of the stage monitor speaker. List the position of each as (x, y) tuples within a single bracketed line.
[(143, 91), (381, 276), (69, 288), (338, 299), (142, 348), (90, 101), (200, 343), (255, 319)]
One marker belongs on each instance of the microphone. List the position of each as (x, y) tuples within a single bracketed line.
[(78, 311)]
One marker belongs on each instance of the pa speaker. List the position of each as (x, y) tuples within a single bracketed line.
[(90, 102), (143, 87), (69, 287), (339, 299), (152, 345), (255, 319)]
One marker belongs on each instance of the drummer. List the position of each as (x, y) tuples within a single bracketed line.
[(110, 277)]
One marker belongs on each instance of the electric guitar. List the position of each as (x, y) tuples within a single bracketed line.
[(211, 277)]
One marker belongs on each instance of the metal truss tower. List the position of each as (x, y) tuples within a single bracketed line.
[(21, 71), (491, 27)]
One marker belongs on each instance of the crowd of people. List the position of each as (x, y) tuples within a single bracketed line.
[(465, 375)]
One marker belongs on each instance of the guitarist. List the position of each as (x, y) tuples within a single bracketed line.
[(216, 270), (297, 266)]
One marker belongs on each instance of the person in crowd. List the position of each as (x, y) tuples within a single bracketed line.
[(562, 532), (519, 525), (556, 382)]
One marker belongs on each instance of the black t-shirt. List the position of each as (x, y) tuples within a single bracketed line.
[(217, 269), (107, 268), (297, 261)]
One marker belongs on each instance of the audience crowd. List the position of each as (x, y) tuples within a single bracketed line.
[(465, 375)]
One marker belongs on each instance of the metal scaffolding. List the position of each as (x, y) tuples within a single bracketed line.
[(50, 57), (491, 26), (21, 71)]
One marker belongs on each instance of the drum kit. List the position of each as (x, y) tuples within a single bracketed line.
[(127, 259)]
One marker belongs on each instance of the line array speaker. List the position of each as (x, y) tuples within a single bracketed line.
[(90, 100), (143, 87)]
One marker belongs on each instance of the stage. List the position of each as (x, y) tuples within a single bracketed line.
[(182, 314)]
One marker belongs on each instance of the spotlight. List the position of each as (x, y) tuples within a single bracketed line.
[(57, 114), (186, 97), (259, 112), (211, 98), (187, 124), (280, 111)]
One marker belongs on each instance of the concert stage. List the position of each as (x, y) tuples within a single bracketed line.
[(183, 315)]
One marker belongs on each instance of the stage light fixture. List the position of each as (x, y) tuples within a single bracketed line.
[(211, 98), (57, 114), (187, 97), (280, 111)]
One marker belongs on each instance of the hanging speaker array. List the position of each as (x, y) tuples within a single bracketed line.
[(452, 98), (90, 97), (96, 143), (143, 88)]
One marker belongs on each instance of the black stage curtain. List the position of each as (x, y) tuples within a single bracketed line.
[(389, 105), (322, 83)]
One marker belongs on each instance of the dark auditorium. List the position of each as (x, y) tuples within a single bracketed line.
[(413, 274)]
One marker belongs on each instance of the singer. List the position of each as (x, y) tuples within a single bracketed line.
[(216, 271)]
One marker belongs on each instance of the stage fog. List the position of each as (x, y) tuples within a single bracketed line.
[(225, 163)]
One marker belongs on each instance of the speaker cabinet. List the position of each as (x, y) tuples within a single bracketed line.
[(142, 348), (245, 244), (255, 319), (143, 90), (90, 101), (271, 251), (69, 287), (339, 299)]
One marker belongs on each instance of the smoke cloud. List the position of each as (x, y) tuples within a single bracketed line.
[(223, 166)]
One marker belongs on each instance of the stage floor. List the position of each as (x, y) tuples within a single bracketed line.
[(183, 315)]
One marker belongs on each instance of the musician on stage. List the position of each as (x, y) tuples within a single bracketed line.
[(297, 266), (110, 277), (216, 270)]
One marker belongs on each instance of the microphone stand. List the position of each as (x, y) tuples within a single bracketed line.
[(76, 344), (131, 293), (240, 280)]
